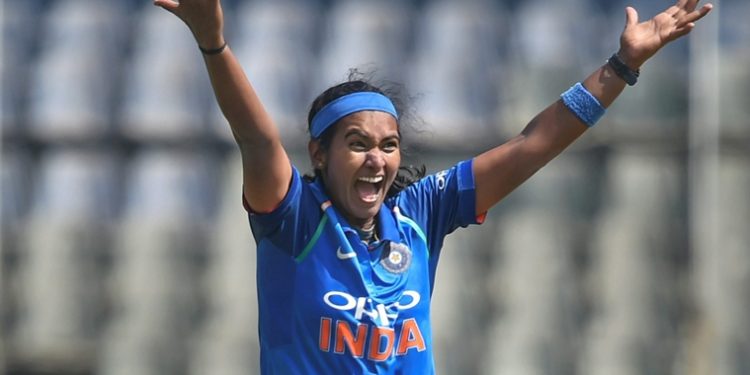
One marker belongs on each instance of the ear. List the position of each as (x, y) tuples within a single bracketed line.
[(317, 154)]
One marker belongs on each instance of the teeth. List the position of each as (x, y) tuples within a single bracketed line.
[(372, 180)]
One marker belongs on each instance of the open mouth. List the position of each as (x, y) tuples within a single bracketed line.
[(369, 188)]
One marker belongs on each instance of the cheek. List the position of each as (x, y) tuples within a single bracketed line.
[(394, 160), (342, 166)]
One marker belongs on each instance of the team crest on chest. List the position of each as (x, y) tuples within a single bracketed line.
[(396, 258)]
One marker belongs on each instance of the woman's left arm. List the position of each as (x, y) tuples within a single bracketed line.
[(500, 170)]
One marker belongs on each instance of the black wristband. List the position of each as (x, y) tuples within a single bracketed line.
[(214, 51), (628, 75)]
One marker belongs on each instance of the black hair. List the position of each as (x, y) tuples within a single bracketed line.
[(360, 82)]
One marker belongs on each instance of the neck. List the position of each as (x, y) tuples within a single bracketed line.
[(367, 234), (368, 227), (360, 225)]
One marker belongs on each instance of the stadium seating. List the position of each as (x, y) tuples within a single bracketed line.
[(164, 184), (459, 300), (15, 178), (64, 244), (364, 35), (71, 90), (548, 51), (166, 93), (536, 286), (18, 25), (461, 106), (15, 182), (734, 76), (227, 343), (159, 253), (725, 285), (275, 43), (630, 248)]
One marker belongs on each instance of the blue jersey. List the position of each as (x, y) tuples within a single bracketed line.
[(331, 304)]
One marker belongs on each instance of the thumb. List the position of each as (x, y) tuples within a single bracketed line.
[(631, 17)]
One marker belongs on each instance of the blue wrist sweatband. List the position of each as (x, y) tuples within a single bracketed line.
[(583, 104), (346, 105)]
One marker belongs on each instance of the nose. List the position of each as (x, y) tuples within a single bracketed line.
[(375, 159)]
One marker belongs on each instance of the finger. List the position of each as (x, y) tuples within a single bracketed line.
[(674, 9), (700, 13), (696, 15), (169, 5), (631, 17), (682, 31), (690, 5)]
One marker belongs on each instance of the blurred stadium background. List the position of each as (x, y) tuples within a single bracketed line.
[(125, 249)]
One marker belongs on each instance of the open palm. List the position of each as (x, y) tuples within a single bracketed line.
[(640, 41)]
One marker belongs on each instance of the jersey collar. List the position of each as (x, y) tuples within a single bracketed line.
[(386, 218)]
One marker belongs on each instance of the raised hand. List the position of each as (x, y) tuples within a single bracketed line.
[(640, 41), (204, 18)]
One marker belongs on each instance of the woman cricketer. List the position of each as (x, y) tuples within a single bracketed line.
[(347, 258)]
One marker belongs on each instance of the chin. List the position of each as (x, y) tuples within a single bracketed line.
[(369, 212), (372, 211)]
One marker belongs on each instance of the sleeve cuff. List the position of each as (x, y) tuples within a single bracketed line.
[(295, 186), (467, 195)]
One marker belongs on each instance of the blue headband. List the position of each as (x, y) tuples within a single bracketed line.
[(346, 105)]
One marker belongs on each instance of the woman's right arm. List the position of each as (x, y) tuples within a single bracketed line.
[(266, 167)]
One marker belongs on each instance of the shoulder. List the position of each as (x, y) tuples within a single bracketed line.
[(299, 206), (458, 177)]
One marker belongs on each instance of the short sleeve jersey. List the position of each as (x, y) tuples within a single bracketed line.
[(331, 304)]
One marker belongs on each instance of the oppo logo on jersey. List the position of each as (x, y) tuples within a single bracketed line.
[(382, 341), (343, 301)]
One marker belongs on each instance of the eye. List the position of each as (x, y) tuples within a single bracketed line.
[(358, 146), (390, 146)]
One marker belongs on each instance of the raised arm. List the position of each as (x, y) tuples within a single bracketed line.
[(500, 170), (265, 164)]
